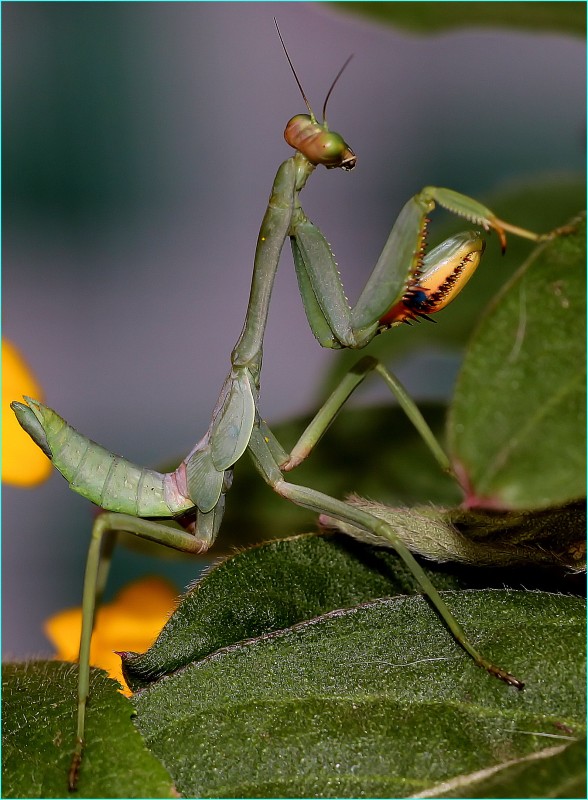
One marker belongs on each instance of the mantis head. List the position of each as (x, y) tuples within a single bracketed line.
[(313, 139), (318, 144)]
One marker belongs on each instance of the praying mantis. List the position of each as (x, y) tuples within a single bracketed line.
[(407, 283)]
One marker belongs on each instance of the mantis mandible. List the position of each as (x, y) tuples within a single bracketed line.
[(406, 284)]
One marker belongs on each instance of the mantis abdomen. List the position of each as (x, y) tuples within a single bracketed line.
[(110, 481)]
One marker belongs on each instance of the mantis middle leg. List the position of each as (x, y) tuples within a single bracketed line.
[(329, 410)]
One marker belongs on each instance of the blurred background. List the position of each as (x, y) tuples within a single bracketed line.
[(140, 145)]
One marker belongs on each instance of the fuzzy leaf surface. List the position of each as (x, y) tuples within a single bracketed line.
[(561, 770), (268, 588), (38, 728), (375, 700), (549, 537)]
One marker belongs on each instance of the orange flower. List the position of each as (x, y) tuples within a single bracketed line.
[(23, 463), (131, 622)]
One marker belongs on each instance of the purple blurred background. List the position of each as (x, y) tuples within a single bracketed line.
[(140, 144)]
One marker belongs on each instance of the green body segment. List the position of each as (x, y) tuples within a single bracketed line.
[(317, 320), (272, 235), (108, 480), (207, 467)]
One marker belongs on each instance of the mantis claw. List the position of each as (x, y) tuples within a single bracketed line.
[(505, 676), (502, 227), (74, 768), (496, 226), (502, 238)]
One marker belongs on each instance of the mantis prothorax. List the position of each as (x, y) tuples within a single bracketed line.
[(406, 284)]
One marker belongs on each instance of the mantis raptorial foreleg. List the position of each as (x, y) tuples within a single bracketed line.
[(407, 283)]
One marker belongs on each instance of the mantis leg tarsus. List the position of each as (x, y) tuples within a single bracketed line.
[(74, 767), (563, 230), (471, 209), (503, 675)]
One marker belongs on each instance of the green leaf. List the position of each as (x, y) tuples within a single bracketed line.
[(429, 17), (516, 427), (376, 700), (560, 769), (267, 588), (38, 728)]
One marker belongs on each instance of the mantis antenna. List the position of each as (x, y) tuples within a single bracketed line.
[(310, 111), (304, 97), (332, 87)]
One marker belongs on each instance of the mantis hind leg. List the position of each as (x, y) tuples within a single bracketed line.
[(97, 564), (375, 530)]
